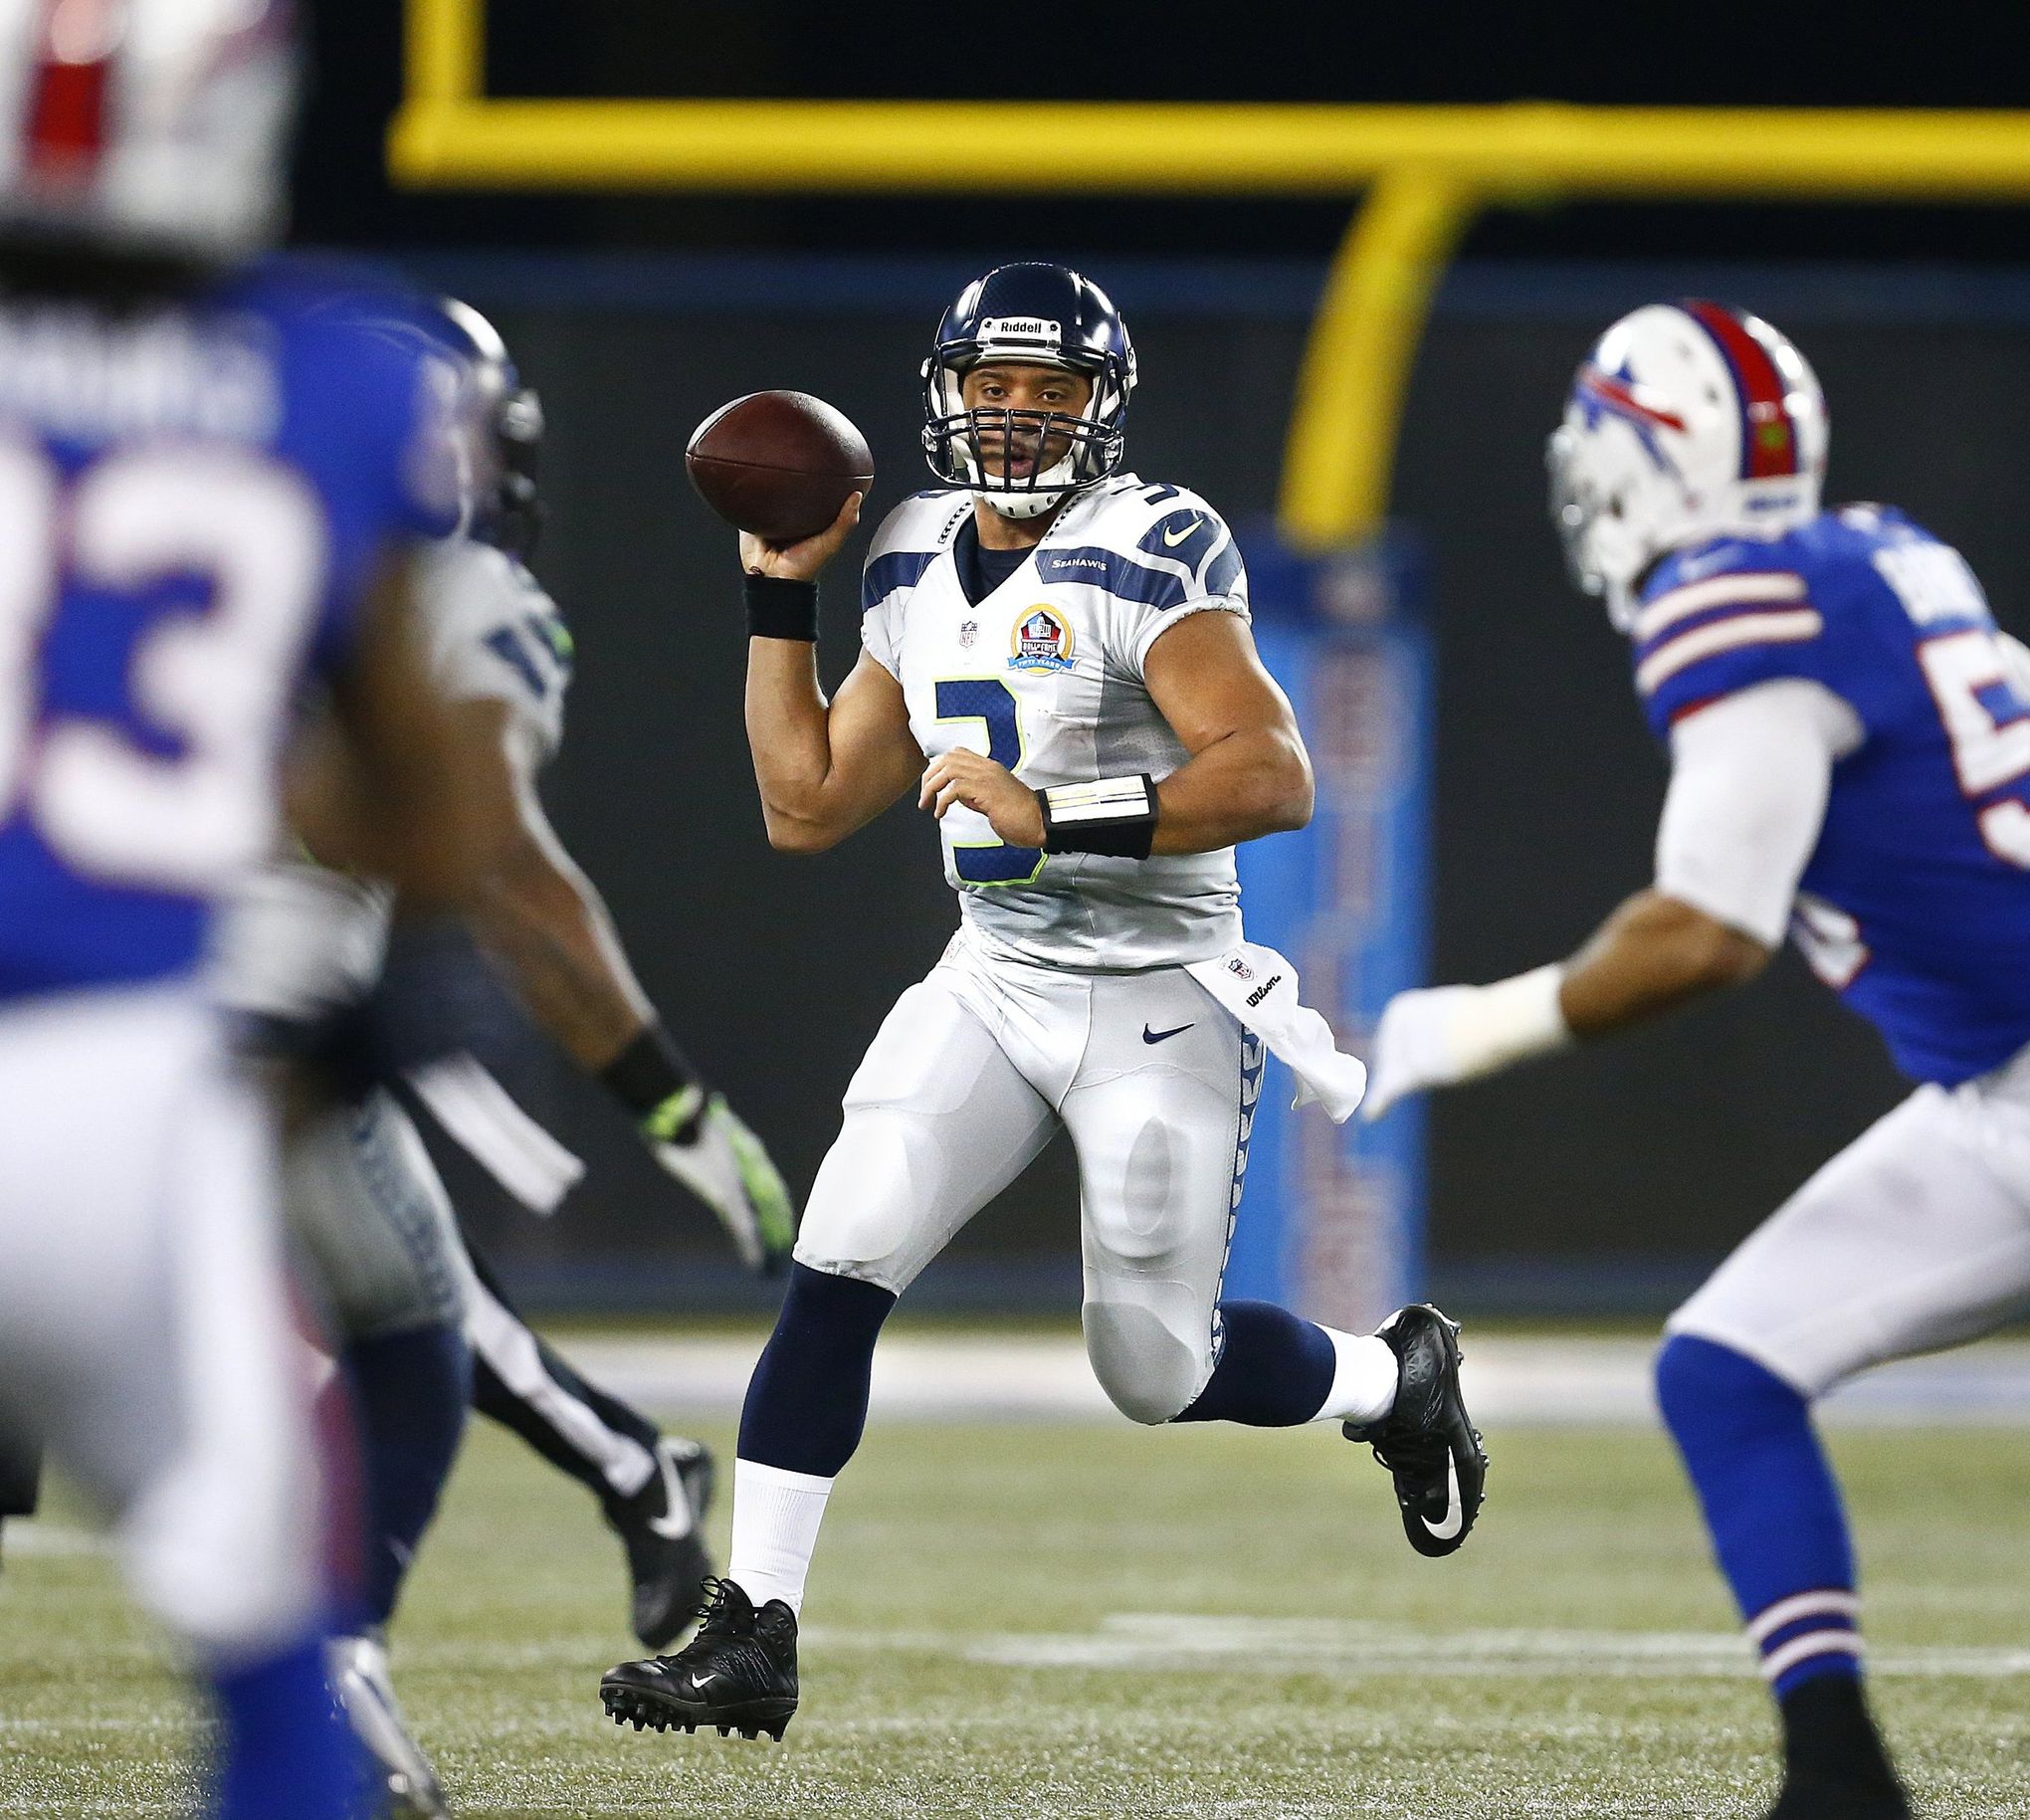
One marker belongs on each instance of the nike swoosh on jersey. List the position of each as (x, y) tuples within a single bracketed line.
[(1455, 1513), (1162, 1036), (1171, 540)]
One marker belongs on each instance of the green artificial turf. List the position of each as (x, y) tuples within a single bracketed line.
[(1079, 1620)]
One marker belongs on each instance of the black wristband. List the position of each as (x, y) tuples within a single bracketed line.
[(655, 1081), (780, 608), (1115, 817)]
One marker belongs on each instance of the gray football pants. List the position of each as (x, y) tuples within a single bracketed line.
[(974, 1071)]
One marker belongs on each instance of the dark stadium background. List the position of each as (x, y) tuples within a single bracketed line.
[(1602, 1182)]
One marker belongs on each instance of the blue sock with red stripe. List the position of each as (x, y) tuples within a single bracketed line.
[(1771, 1506)]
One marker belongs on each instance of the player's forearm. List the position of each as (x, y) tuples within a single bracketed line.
[(1237, 788), (547, 923), (1651, 956)]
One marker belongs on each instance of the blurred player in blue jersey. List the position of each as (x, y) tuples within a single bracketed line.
[(211, 489), (1056, 664), (1850, 758), (401, 1291)]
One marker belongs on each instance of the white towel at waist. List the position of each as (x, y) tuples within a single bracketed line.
[(1259, 986)]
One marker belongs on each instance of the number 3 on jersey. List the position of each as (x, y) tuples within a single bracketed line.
[(170, 789), (993, 703)]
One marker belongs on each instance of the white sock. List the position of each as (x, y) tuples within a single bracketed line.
[(1364, 1381), (775, 1531)]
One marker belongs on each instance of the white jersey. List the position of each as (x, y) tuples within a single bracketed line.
[(304, 939), (1045, 676), (495, 635)]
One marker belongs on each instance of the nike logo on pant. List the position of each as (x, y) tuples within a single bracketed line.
[(1162, 1036)]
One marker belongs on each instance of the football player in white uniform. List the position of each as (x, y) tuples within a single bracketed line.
[(404, 1293), (1057, 664)]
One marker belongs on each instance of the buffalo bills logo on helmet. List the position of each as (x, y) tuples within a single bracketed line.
[(1042, 641), (1601, 394)]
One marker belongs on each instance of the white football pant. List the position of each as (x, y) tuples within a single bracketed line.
[(1915, 1237), (973, 1074), (145, 1320)]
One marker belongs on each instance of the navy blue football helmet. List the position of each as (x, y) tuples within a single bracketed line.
[(509, 517), (1039, 315)]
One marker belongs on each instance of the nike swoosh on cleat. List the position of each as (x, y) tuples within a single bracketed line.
[(1162, 1036), (1455, 1515)]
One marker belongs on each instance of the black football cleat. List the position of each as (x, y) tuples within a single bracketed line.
[(1835, 1764), (738, 1674), (662, 1528), (1816, 1797), (1427, 1441)]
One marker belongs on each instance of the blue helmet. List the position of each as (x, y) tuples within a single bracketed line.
[(1039, 315)]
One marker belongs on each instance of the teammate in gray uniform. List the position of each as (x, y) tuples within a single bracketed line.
[(403, 1291), (1056, 664)]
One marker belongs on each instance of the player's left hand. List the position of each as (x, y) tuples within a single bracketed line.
[(1413, 1047), (730, 1169), (962, 775)]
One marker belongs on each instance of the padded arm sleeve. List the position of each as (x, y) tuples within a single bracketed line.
[(1750, 778)]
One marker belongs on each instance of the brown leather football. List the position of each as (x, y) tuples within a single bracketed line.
[(778, 464)]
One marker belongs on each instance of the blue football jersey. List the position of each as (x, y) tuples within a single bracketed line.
[(193, 498), (1915, 904)]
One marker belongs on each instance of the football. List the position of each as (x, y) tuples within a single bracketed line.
[(778, 464)]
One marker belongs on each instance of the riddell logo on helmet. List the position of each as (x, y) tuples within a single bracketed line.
[(1022, 328)]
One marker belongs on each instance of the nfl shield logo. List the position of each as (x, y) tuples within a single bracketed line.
[(1240, 969), (968, 634)]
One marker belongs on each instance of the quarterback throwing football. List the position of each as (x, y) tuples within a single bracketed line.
[(1057, 664)]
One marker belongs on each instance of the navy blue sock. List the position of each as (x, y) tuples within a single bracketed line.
[(1771, 1506), (409, 1395), (284, 1752), (1275, 1369), (807, 1400)]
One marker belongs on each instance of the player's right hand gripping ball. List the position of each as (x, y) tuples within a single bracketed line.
[(779, 465)]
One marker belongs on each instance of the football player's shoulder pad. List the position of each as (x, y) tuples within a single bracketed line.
[(1167, 530), (909, 539), (1721, 616)]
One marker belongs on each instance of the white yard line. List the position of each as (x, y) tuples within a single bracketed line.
[(1184, 1642), (1567, 1381)]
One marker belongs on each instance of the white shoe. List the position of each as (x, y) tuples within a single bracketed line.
[(358, 1666)]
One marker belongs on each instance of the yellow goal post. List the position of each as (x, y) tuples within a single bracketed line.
[(1425, 172)]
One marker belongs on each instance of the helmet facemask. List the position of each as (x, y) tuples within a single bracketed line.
[(1058, 452)]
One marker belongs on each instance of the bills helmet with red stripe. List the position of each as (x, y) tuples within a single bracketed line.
[(149, 127), (1687, 421)]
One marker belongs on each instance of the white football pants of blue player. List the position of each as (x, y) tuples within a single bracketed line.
[(975, 1070), (144, 1318), (1915, 1237)]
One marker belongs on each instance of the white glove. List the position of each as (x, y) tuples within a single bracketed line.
[(1440, 1035), (728, 1167)]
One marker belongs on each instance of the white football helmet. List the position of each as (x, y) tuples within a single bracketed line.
[(152, 127), (1687, 421)]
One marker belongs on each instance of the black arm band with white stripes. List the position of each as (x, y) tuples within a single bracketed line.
[(1116, 816), (778, 607)]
